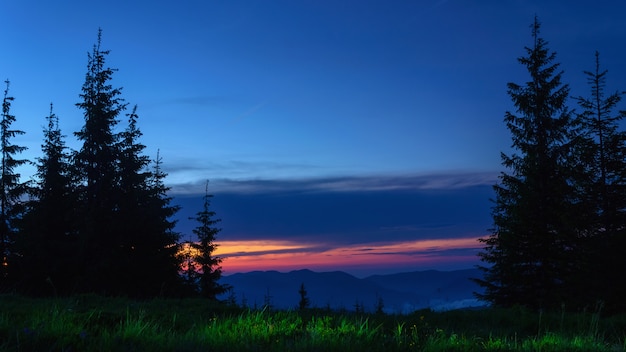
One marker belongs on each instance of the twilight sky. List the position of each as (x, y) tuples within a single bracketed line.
[(338, 135)]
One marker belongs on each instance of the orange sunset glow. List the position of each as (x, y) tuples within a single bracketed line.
[(245, 256)]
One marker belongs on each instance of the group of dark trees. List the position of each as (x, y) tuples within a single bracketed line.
[(98, 219), (559, 217)]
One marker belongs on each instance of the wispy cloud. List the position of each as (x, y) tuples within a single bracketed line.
[(242, 256), (188, 175), (265, 247), (434, 181)]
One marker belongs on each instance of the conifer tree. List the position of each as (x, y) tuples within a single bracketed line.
[(47, 243), (125, 208), (96, 167), (170, 244), (530, 250), (379, 307), (602, 161), (134, 174), (11, 190), (304, 299), (209, 264), (153, 243), (134, 219)]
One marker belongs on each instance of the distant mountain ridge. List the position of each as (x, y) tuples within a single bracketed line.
[(401, 293)]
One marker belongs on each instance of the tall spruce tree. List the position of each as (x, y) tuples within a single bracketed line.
[(210, 270), (148, 236), (11, 190), (127, 240), (528, 255), (602, 161), (132, 216), (165, 226), (96, 167), (48, 243)]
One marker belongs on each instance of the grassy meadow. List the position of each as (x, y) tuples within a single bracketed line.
[(94, 323)]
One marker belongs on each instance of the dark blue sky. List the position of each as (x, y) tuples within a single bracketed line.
[(302, 213), (299, 89)]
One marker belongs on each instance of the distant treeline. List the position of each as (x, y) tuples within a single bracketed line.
[(559, 215), (97, 219)]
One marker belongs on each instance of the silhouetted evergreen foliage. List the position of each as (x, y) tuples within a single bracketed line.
[(208, 264), (189, 273), (127, 244), (95, 165), (380, 305), (99, 219), (602, 164), (158, 241), (304, 302), (147, 238), (531, 252), (48, 243), (11, 190), (560, 211)]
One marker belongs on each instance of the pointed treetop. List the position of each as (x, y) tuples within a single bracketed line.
[(535, 27)]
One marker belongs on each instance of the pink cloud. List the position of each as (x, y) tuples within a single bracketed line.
[(244, 256)]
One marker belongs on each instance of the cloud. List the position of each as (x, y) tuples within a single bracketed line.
[(265, 247), (332, 184), (187, 176), (308, 212), (418, 247), (242, 256)]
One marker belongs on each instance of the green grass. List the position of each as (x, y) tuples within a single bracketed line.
[(93, 323)]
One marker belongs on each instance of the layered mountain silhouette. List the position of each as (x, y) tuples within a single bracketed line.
[(400, 293)]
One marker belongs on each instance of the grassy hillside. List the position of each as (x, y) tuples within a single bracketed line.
[(93, 323)]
